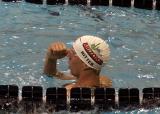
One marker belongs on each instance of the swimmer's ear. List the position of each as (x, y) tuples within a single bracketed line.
[(85, 67)]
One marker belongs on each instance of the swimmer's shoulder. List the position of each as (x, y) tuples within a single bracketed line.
[(63, 75), (105, 81)]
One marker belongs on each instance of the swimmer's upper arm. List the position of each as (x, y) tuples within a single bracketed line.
[(63, 76), (105, 81)]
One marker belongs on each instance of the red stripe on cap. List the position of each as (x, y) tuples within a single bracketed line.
[(92, 54)]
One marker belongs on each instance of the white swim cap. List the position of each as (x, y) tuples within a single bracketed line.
[(92, 50)]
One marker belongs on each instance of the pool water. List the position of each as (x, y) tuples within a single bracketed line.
[(133, 35)]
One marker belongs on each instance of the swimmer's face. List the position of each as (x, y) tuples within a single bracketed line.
[(75, 64)]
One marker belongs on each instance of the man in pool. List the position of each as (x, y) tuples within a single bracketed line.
[(86, 58)]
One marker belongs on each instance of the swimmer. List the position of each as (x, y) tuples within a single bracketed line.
[(86, 58)]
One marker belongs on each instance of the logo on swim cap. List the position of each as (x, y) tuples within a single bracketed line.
[(92, 54), (92, 50), (95, 46)]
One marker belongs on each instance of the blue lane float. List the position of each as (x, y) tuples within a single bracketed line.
[(77, 99)]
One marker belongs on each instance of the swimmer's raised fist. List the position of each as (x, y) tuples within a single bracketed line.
[(57, 50)]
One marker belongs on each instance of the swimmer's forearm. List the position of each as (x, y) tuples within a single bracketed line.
[(56, 50), (50, 66), (51, 70)]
